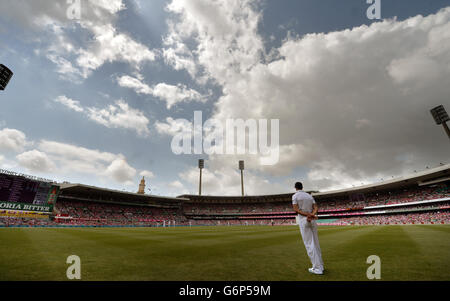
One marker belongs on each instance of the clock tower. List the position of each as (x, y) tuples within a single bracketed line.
[(142, 186)]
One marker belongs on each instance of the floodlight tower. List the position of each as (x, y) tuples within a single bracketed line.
[(5, 76), (241, 167), (441, 117), (201, 165)]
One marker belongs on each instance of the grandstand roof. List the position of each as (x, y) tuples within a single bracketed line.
[(428, 176), (98, 193), (417, 178)]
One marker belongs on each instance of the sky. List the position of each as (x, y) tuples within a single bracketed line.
[(100, 89)]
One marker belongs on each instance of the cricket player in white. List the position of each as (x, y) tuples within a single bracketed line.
[(306, 208)]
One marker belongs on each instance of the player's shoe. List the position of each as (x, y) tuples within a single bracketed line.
[(315, 271)]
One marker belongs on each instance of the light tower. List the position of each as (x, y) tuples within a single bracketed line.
[(441, 117), (5, 76), (201, 165), (241, 167)]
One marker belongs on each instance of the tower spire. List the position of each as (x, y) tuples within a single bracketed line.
[(142, 186)]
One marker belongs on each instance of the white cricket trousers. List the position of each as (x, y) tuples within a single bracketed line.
[(310, 238)]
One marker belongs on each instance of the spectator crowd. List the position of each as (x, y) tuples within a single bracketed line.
[(90, 213)]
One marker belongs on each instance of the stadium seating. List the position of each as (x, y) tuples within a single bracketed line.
[(343, 210), (88, 213)]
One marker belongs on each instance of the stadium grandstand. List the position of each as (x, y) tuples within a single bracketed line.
[(420, 198)]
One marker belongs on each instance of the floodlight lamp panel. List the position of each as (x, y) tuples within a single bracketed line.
[(241, 165)]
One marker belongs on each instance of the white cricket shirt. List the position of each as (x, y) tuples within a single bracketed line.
[(304, 201)]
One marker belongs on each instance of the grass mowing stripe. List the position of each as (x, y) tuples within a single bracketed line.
[(341, 253), (434, 245), (443, 228), (399, 254), (15, 255), (177, 253), (29, 253), (397, 251), (223, 253)]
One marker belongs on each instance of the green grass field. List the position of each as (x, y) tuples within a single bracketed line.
[(413, 252)]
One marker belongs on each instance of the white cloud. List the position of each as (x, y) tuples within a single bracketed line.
[(77, 59), (76, 153), (352, 103), (173, 126), (135, 84), (65, 69), (39, 13), (176, 94), (36, 161), (72, 159), (110, 46), (120, 115), (169, 93), (176, 184), (120, 171), (179, 57), (12, 140), (176, 188), (146, 173), (112, 6), (70, 103), (225, 32), (406, 69)]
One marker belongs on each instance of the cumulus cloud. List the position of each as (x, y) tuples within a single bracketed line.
[(179, 57), (71, 159), (118, 115), (12, 140), (70, 103), (65, 69), (75, 153), (135, 84), (224, 31), (36, 161), (111, 46), (177, 188), (176, 184), (169, 93), (175, 94), (39, 13), (110, 6), (146, 173), (353, 104), (121, 115), (76, 59), (120, 171), (172, 127)]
